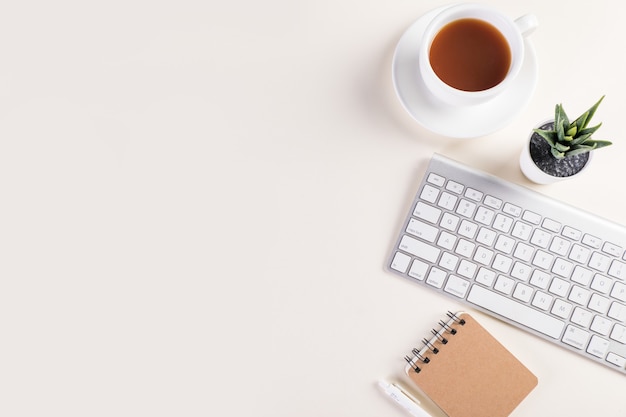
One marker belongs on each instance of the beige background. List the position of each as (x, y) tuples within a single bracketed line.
[(198, 199)]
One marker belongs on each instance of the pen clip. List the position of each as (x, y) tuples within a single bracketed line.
[(403, 398)]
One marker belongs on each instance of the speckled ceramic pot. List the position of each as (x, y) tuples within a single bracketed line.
[(539, 166)]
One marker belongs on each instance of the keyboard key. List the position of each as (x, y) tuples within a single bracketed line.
[(512, 209), (612, 249), (484, 216), (449, 222), (581, 317), (465, 248), (473, 194), (455, 187), (468, 229), (531, 217), (617, 269), (543, 259), (601, 283), (542, 300), (599, 262), (418, 270), (486, 236), (540, 238), (466, 208), (515, 311), (617, 312), (598, 346), (502, 263), (561, 309), (485, 277), (523, 252), (502, 223), (523, 292), (483, 256), (571, 233), (619, 291), (522, 230), (579, 295), (619, 333), (420, 249), (467, 269), (599, 303), (582, 275), (551, 225), (493, 202), (438, 180), (400, 262), (436, 277), (521, 271), (422, 230), (559, 287), (601, 325), (426, 212), (448, 261), (447, 201), (592, 241), (576, 337), (559, 246), (616, 359), (562, 268), (505, 244), (446, 240), (540, 279), (504, 284), (579, 254), (429, 193), (457, 286)]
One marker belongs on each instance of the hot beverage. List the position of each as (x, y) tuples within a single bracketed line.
[(470, 55)]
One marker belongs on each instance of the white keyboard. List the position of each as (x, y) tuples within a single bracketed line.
[(539, 264)]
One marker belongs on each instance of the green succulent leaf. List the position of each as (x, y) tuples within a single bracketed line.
[(580, 149), (560, 131), (597, 144), (571, 132), (588, 146), (557, 154), (585, 134), (548, 135), (560, 117), (586, 116), (574, 138), (582, 121), (561, 148)]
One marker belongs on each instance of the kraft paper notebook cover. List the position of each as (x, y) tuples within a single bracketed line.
[(465, 371)]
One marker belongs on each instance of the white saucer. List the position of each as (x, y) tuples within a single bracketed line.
[(456, 122)]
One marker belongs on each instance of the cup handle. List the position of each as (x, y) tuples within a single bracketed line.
[(527, 24)]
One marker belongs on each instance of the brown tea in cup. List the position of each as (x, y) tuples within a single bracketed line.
[(470, 54)]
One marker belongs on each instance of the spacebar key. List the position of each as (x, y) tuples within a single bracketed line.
[(515, 311)]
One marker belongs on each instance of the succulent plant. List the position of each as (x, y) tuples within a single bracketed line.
[(566, 139)]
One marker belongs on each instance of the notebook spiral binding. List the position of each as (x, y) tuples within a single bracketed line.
[(441, 335)]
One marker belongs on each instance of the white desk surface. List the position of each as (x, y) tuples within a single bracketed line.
[(198, 199)]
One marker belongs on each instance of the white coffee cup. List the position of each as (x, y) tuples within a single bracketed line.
[(512, 32)]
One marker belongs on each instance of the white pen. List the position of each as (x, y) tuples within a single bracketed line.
[(403, 398)]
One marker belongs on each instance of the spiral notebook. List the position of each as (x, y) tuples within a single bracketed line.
[(466, 372)]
